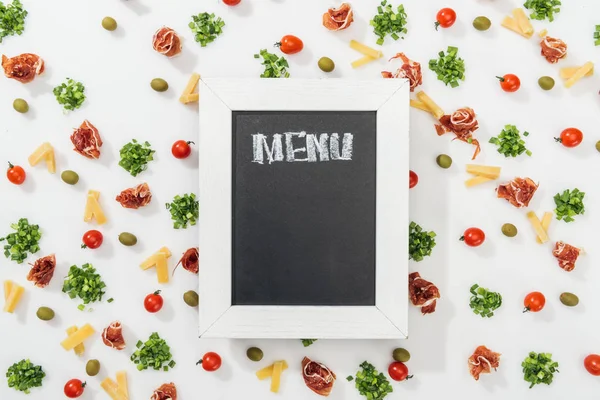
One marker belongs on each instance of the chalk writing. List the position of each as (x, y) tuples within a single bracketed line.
[(322, 147)]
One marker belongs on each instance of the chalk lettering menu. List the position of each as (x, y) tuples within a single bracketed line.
[(303, 208)]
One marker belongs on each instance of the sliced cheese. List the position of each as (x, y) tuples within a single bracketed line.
[(483, 170), (511, 24), (537, 226), (8, 286), (366, 50), (189, 88), (435, 110), (478, 180), (112, 389), (122, 383), (267, 372), (523, 21), (276, 377), (151, 261), (93, 209), (77, 337), (189, 98), (162, 270), (543, 33), (40, 154), (546, 219), (80, 348), (362, 61), (14, 297), (420, 105), (580, 73), (51, 162), (567, 72)]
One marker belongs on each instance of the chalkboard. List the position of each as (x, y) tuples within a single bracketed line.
[(303, 199)]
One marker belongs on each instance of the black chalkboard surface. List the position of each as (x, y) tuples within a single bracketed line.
[(303, 208)]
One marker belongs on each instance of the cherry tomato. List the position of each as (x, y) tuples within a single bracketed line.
[(290, 44), (413, 179), (509, 82), (534, 302), (473, 237), (15, 174), (74, 388), (92, 239), (398, 371), (592, 364), (232, 2), (181, 149), (210, 362), (570, 137), (153, 302), (445, 18)]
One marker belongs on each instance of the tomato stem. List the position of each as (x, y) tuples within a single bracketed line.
[(157, 292), (199, 362), (278, 44), (437, 24), (408, 377), (462, 239), (558, 140), (10, 166), (527, 309), (83, 246), (83, 384), (501, 78), (190, 142)]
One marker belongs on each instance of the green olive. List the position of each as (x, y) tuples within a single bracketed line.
[(326, 64), (21, 106), (45, 313), (546, 82), (569, 299), (69, 177), (444, 161), (598, 145), (109, 23), (127, 239), (401, 355), (482, 23), (159, 84), (92, 367), (509, 230), (191, 298), (255, 354)]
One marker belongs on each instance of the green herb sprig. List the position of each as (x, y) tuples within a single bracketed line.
[(184, 210), (155, 353), (275, 66), (387, 22), (597, 36), (371, 383), (569, 204), (308, 342), (135, 157), (542, 9), (24, 240), (24, 375), (539, 368), (12, 19), (420, 242), (449, 67), (483, 302), (510, 143), (206, 27), (84, 283), (70, 94)]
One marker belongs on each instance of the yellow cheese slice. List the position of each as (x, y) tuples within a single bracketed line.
[(537, 226), (483, 170), (435, 110), (580, 73), (77, 337), (365, 50), (189, 88), (523, 21), (151, 261), (122, 384), (80, 348), (39, 154), (543, 33), (112, 389), (51, 162), (567, 72), (13, 298), (478, 180), (93, 209), (546, 219), (162, 270), (267, 372), (276, 377), (8, 286), (189, 98), (362, 61), (511, 24), (420, 105)]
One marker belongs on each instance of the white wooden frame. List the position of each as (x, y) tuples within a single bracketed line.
[(388, 318)]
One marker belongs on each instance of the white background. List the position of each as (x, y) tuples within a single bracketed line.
[(117, 68)]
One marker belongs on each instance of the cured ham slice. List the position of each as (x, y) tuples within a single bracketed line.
[(423, 294), (482, 361), (337, 19), (463, 122), (42, 271), (167, 391), (136, 197), (112, 336), (566, 255), (410, 70), (23, 68), (553, 49), (167, 42), (317, 377), (518, 192), (86, 140), (189, 260)]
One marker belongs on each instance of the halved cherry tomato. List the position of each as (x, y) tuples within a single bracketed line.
[(445, 18), (413, 179), (181, 149), (210, 362), (592, 364), (74, 388), (398, 371), (15, 174), (232, 2), (92, 239), (570, 137), (153, 302), (509, 82), (290, 44), (473, 237), (534, 302)]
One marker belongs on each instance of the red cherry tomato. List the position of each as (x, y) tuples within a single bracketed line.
[(290, 44), (534, 302), (15, 174), (92, 239), (74, 388), (413, 179), (232, 2), (153, 302), (509, 82), (473, 237), (570, 137), (210, 362), (592, 364), (445, 18), (181, 149), (398, 371)]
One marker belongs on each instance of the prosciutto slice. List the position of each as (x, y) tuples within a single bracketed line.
[(136, 197), (410, 70), (317, 377), (422, 293), (23, 68), (337, 19), (553, 49), (42, 271), (167, 42), (482, 361), (166, 391), (566, 255), (189, 260), (518, 192), (86, 140), (463, 122), (112, 336)]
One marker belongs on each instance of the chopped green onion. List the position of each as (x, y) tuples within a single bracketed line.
[(84, 283), (153, 354), (420, 242), (569, 204), (24, 240), (509, 142), (12, 19), (184, 210), (275, 66), (135, 157), (206, 28), (70, 94), (371, 383), (24, 375), (542, 9), (539, 368), (483, 302), (388, 22), (449, 67)]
